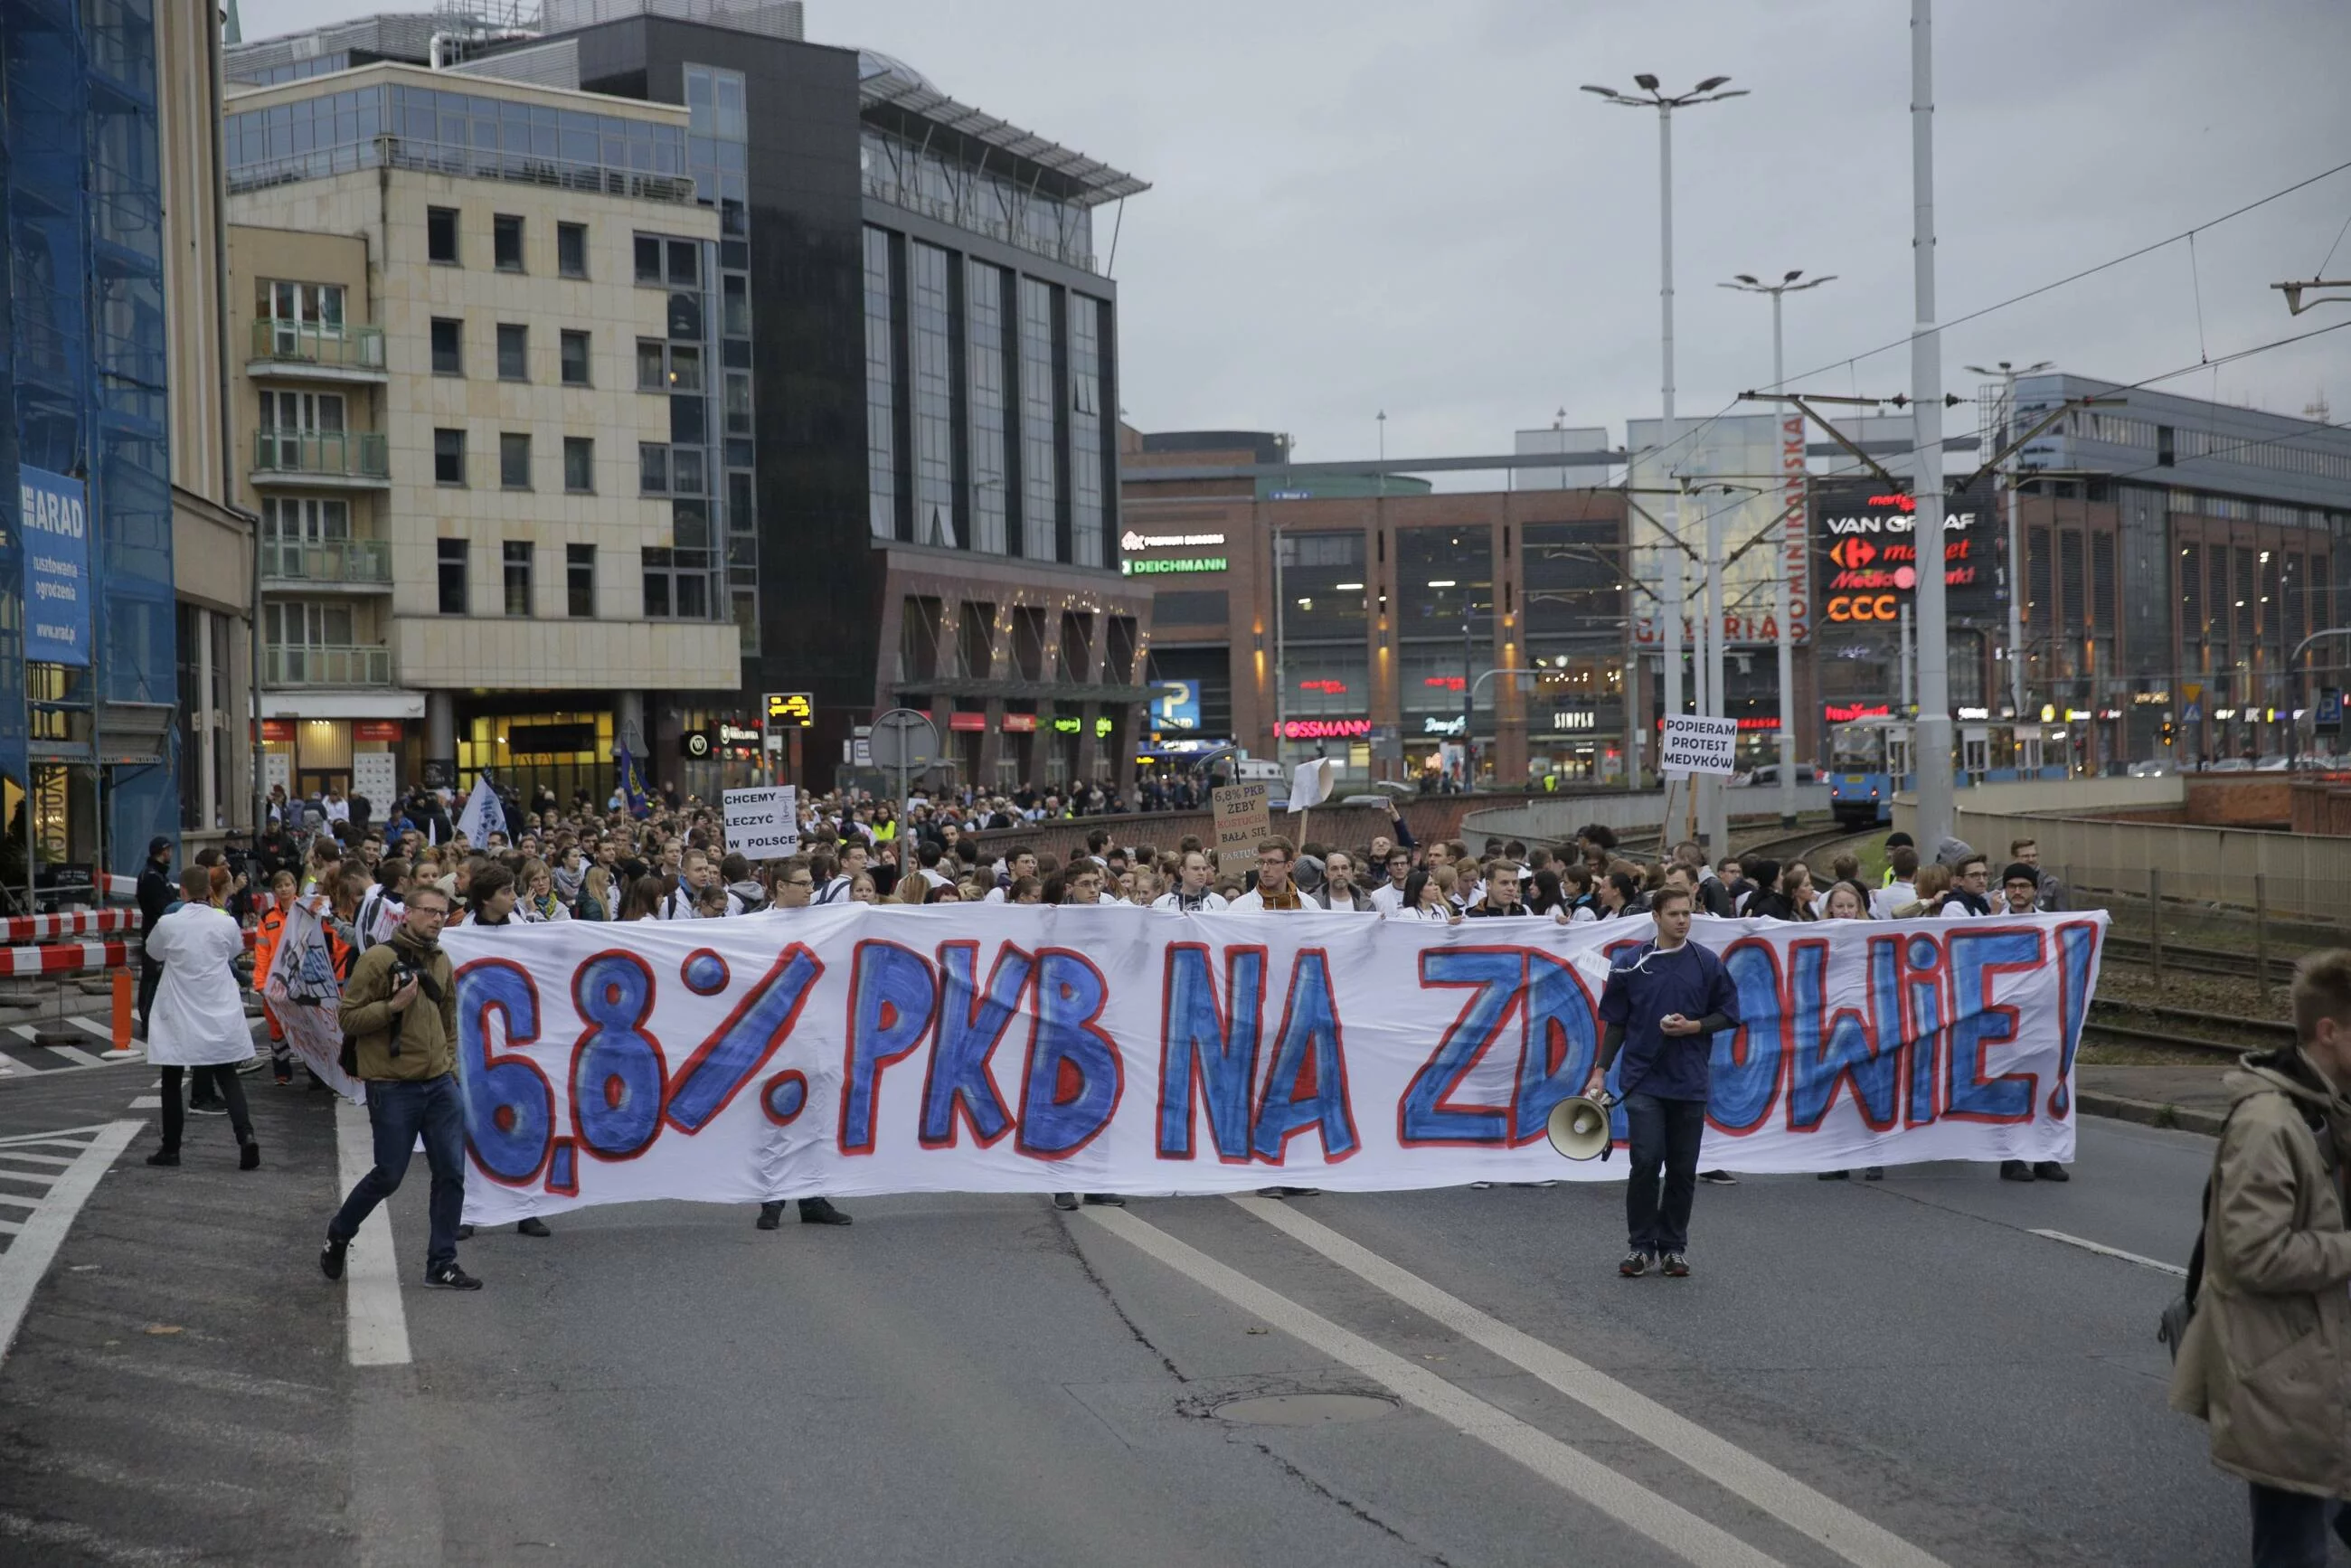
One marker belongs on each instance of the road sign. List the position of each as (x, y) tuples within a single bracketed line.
[(904, 741), (1695, 744), (2193, 713), (2330, 709)]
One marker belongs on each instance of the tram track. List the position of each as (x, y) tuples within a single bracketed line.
[(2217, 1034), (2194, 960)]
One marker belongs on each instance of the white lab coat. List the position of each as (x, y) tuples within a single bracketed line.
[(199, 1018)]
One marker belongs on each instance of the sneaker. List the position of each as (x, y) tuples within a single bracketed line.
[(1290, 1192), (330, 1257), (465, 1233), (1482, 1187), (249, 1156), (164, 1157), (819, 1211), (1833, 1176), (1875, 1173), (449, 1277), (1106, 1199), (1718, 1179), (2016, 1170), (534, 1226), (770, 1216), (1635, 1264), (1539, 1185), (2049, 1170), (1675, 1267), (209, 1108), (285, 1079)]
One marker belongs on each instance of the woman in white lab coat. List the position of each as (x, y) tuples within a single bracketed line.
[(199, 1019)]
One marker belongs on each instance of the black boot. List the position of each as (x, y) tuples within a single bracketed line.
[(2016, 1170), (249, 1156), (770, 1216), (819, 1211)]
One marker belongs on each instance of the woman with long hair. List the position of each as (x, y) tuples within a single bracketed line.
[(643, 899)]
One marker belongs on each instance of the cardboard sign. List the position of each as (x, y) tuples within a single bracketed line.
[(1697, 745), (764, 825), (1244, 818)]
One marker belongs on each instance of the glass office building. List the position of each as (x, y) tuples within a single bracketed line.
[(82, 366)]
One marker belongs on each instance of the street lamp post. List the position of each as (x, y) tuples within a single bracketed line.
[(1746, 283), (1932, 728), (1646, 96)]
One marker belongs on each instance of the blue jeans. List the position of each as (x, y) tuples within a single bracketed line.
[(2290, 1528), (1663, 1133), (398, 1112)]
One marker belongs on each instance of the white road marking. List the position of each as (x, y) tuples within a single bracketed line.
[(77, 1055), (2101, 1247), (378, 1321), (148, 1103), (1635, 1506), (90, 1026), (1852, 1536), (26, 1157), (67, 1137), (29, 1255), (11, 1227)]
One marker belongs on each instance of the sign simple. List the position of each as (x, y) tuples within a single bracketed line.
[(1243, 815), (1694, 744), (764, 825)]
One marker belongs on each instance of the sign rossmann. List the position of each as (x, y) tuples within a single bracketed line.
[(1868, 555)]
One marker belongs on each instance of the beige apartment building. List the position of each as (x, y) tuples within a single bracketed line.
[(475, 420)]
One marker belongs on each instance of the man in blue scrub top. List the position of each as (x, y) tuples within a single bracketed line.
[(1662, 1007)]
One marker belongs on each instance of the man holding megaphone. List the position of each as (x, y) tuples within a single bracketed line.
[(1662, 1007)]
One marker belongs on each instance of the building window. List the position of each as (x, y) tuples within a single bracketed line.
[(572, 249), (735, 306), (517, 576), (1043, 422), (677, 584), (880, 389), (441, 236), (653, 468), (651, 376), (738, 402), (448, 347), (575, 359), (514, 461), (514, 353), (931, 324), (448, 457), (506, 242), (685, 263), (685, 367), (579, 579), (578, 463), (984, 353), (649, 259), (453, 576)]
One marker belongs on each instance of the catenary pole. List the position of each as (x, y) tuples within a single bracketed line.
[(1932, 737)]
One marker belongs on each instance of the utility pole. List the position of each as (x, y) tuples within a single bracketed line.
[(1746, 283), (1648, 97), (1931, 737), (1469, 700), (1714, 811)]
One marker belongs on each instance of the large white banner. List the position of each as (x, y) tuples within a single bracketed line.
[(874, 1048)]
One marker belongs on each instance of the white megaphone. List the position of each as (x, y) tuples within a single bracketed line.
[(1578, 1128)]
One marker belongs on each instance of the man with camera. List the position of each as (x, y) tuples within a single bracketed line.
[(399, 1032)]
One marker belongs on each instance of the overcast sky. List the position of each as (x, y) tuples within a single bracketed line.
[(1369, 205)]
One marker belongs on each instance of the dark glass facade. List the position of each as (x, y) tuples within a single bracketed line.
[(82, 367)]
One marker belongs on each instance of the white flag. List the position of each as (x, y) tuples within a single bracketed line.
[(482, 815)]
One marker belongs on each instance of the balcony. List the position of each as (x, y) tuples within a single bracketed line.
[(359, 566), (316, 665), (337, 460), (308, 350)]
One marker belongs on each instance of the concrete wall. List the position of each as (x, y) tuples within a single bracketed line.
[(2298, 875), (2084, 795), (1556, 820)]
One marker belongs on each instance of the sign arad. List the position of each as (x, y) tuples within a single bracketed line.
[(1695, 744), (763, 824), (1243, 814), (53, 511)]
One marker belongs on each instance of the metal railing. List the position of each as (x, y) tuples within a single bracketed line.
[(346, 454), (343, 560), (344, 347), (314, 664)]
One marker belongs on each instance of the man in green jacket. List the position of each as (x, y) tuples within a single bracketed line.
[(400, 1010), (2266, 1359)]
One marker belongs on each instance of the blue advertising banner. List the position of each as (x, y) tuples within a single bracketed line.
[(1176, 708), (54, 512)]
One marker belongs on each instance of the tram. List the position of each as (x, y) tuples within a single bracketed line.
[(1871, 758)]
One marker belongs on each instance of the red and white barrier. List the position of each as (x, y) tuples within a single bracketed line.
[(64, 958), (81, 923)]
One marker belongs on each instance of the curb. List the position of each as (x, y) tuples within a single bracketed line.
[(2149, 1114)]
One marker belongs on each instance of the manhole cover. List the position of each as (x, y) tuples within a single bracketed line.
[(1305, 1410)]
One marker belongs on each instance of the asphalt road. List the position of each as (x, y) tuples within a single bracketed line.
[(1867, 1373)]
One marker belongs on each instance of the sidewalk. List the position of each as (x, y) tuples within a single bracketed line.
[(2186, 1097), (178, 1391)]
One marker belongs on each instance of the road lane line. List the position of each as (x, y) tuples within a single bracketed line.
[(29, 1255), (143, 1103), (2100, 1247), (378, 1321), (77, 1055), (1630, 1504), (1857, 1540)]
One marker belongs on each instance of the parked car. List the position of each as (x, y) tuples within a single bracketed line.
[(2150, 770), (1769, 773), (2274, 763)]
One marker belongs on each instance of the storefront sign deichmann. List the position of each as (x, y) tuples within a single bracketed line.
[(1182, 563)]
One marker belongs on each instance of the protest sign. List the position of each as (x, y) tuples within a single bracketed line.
[(764, 825), (871, 1048), (306, 997), (1243, 815), (1694, 744)]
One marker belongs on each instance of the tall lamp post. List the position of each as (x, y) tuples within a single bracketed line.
[(1646, 96), (1746, 283), (2008, 375)]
